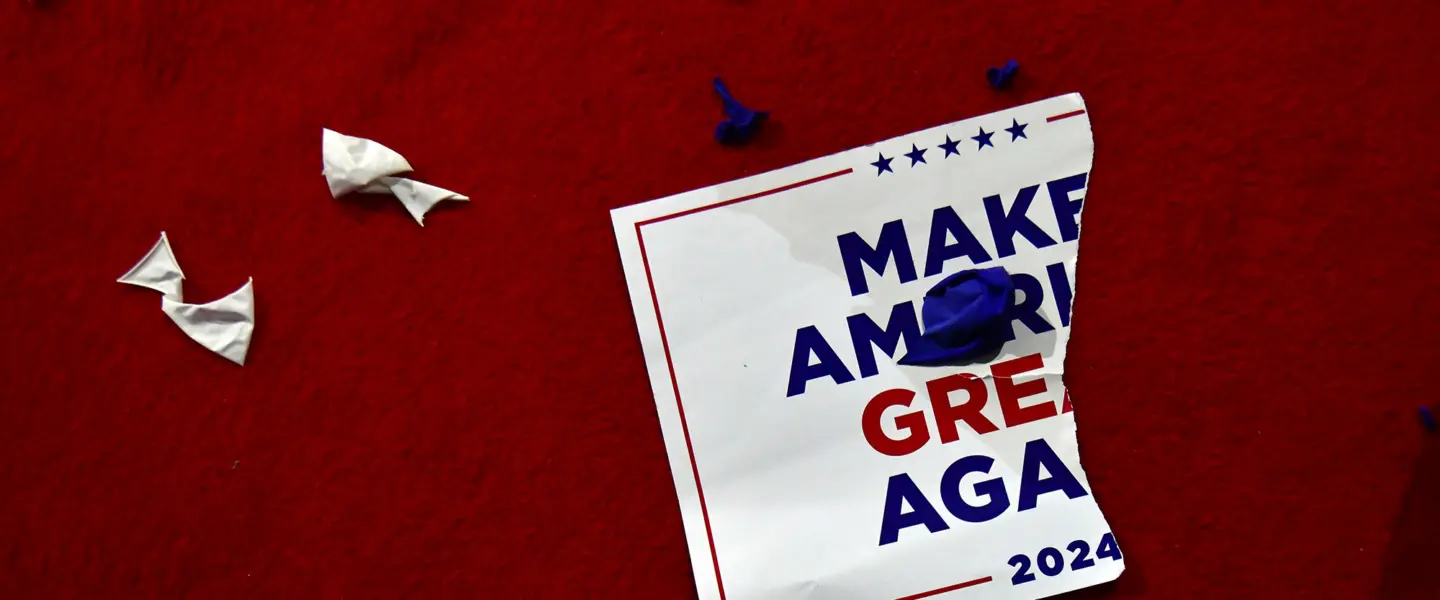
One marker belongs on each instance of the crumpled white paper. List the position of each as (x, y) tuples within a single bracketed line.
[(224, 326), (157, 271), (353, 164)]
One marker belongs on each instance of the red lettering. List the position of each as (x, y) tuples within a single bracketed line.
[(913, 423), (913, 427), (1010, 392), (946, 415)]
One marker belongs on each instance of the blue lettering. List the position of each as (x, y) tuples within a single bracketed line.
[(1067, 211), (1060, 286), (944, 222), (892, 244), (1005, 225), (1027, 311), (993, 489), (808, 340), (901, 491), (1038, 454), (864, 333)]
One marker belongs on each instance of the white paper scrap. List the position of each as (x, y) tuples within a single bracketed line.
[(357, 164), (157, 271), (808, 462), (352, 163), (418, 197), (224, 326)]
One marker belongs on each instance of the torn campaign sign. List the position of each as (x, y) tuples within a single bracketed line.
[(773, 313)]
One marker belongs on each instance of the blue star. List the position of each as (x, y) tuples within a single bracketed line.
[(916, 155), (1017, 130), (882, 165), (983, 139), (950, 147)]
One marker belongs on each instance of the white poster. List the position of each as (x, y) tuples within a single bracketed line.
[(775, 312)]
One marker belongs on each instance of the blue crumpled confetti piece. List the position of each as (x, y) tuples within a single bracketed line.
[(966, 316), (742, 123), (1000, 76), (1427, 419)]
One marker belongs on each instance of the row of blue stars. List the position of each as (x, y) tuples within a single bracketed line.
[(951, 147)]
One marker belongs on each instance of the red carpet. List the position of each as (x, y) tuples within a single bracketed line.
[(462, 410)]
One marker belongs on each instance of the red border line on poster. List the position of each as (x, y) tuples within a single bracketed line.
[(675, 384), (1073, 113), (665, 342)]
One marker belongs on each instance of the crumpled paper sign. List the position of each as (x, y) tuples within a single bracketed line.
[(224, 326), (353, 164)]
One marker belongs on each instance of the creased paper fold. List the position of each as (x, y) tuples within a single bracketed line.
[(224, 326), (353, 164)]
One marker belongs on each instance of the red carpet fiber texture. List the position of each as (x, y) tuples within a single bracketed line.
[(461, 410)]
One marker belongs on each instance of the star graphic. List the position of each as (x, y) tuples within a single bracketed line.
[(983, 139), (950, 147), (1016, 129), (882, 165), (916, 155)]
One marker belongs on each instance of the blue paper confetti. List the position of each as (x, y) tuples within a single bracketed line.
[(1000, 77), (742, 123), (966, 316)]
